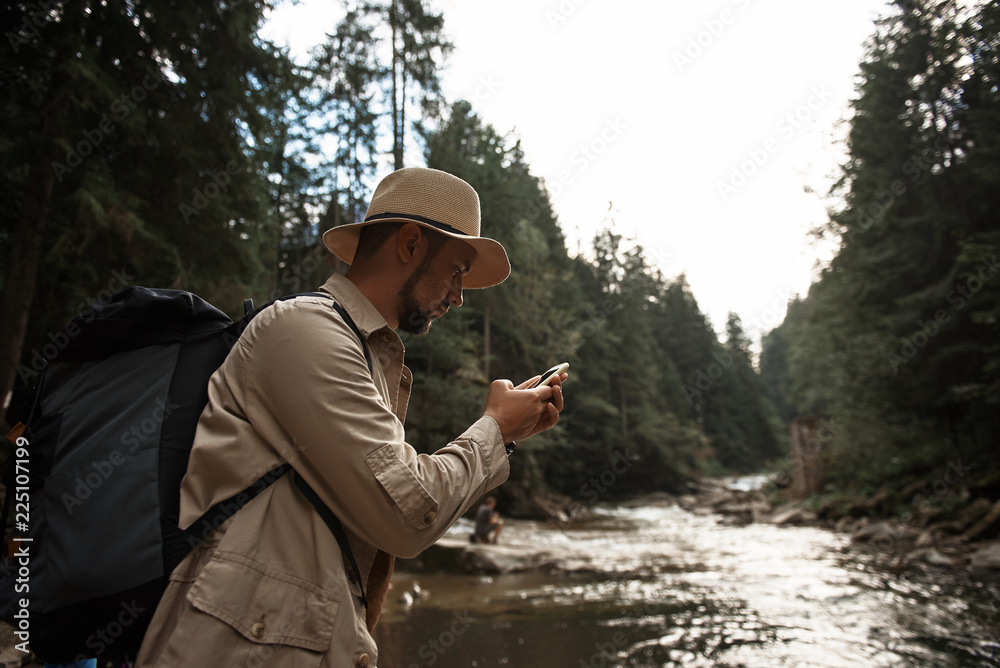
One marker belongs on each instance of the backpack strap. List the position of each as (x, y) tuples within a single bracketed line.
[(336, 528), (213, 518), (223, 510)]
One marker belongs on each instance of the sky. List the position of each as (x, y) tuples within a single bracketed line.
[(707, 132)]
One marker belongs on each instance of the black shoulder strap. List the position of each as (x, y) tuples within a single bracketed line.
[(220, 512), (335, 527)]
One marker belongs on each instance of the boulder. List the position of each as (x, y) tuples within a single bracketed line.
[(688, 501), (846, 524), (988, 526), (789, 516), (930, 556), (454, 555), (923, 515), (885, 535), (833, 509), (870, 531), (719, 497), (986, 558)]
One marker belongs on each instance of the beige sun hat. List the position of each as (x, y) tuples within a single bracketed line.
[(435, 199)]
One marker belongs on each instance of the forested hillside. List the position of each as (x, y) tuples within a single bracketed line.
[(149, 145), (898, 343)]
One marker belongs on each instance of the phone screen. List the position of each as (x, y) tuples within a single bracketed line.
[(551, 374)]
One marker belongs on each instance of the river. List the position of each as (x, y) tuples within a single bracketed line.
[(661, 586)]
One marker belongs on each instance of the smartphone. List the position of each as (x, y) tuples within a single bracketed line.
[(551, 374)]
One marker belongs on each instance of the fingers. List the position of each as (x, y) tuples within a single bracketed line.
[(523, 411), (526, 384), (557, 398)]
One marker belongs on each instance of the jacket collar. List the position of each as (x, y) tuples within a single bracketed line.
[(364, 313)]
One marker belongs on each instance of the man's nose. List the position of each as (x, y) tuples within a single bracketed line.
[(455, 295), (455, 291)]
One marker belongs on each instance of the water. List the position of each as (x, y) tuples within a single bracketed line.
[(659, 586)]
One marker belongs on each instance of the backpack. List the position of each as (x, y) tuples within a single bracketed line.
[(94, 480)]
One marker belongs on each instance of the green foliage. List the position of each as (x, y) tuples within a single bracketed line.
[(137, 150), (223, 162), (898, 339)]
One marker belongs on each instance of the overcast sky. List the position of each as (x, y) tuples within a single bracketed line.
[(696, 127)]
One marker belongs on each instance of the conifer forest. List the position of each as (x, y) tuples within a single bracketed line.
[(145, 145)]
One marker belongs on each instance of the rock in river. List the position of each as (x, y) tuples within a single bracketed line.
[(986, 558)]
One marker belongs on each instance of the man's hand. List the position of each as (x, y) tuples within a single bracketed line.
[(523, 412)]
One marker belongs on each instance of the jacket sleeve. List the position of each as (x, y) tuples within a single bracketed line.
[(310, 394)]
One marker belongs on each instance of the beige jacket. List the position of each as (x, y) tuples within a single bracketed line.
[(272, 588)]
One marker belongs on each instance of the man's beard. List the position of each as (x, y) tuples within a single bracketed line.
[(414, 319)]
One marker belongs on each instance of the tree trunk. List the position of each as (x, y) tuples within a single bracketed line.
[(19, 285), (26, 250), (486, 342), (399, 157), (397, 129), (623, 405)]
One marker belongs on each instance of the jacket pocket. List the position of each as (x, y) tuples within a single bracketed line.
[(402, 486), (267, 607)]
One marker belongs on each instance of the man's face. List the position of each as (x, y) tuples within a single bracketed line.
[(434, 286)]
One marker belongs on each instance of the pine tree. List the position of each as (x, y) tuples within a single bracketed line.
[(897, 338), (138, 138), (416, 45)]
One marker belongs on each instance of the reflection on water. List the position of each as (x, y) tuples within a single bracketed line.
[(660, 586)]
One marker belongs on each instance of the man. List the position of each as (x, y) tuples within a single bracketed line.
[(487, 522), (271, 586)]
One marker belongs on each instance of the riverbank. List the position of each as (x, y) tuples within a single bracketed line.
[(651, 584), (965, 541), (927, 536)]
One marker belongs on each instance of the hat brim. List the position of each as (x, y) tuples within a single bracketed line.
[(490, 266)]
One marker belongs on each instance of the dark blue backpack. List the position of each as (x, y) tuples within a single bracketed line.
[(94, 481)]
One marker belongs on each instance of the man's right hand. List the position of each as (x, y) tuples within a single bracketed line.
[(522, 412)]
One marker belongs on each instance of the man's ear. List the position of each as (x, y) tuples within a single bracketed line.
[(409, 242)]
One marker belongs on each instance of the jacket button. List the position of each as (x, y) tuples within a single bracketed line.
[(363, 661), (429, 517), (257, 630)]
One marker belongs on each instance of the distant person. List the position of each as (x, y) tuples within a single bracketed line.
[(270, 586), (488, 522)]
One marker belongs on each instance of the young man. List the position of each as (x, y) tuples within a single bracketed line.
[(488, 522), (272, 587)]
